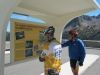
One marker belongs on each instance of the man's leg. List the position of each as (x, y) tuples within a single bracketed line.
[(74, 66), (75, 71)]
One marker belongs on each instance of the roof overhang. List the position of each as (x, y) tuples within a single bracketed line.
[(54, 7)]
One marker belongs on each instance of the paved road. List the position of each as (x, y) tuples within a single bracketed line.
[(34, 67), (95, 68), (29, 66)]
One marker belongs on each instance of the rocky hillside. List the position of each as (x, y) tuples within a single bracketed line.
[(87, 26)]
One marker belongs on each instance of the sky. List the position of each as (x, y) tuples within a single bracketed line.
[(27, 18)]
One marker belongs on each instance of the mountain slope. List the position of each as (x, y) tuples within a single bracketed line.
[(87, 26)]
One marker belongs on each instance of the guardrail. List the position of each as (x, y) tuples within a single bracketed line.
[(92, 43), (89, 43)]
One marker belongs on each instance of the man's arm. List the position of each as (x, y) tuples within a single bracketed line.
[(42, 57), (82, 52), (65, 44), (43, 54)]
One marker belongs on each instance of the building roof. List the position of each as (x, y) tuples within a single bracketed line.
[(53, 7)]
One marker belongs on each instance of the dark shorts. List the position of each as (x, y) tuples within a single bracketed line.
[(74, 64), (51, 72)]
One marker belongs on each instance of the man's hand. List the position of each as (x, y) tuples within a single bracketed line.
[(41, 59), (81, 63)]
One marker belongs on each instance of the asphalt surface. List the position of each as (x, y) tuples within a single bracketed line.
[(95, 68), (32, 66)]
